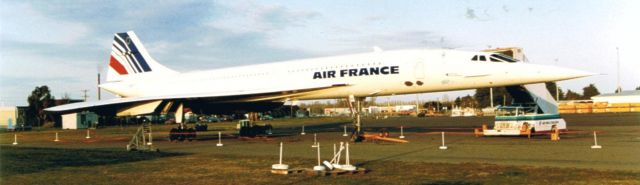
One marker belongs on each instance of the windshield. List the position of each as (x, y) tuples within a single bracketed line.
[(503, 58)]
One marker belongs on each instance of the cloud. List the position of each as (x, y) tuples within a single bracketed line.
[(399, 40), (69, 41), (21, 22), (471, 14), (250, 17)]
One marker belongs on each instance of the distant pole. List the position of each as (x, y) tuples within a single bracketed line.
[(557, 92), (389, 105), (85, 96), (98, 86), (491, 95), (417, 105), (618, 88), (557, 86), (437, 104), (504, 99)]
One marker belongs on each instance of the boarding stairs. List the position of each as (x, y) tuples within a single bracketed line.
[(142, 139)]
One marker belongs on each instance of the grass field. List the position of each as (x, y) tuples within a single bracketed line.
[(469, 160)]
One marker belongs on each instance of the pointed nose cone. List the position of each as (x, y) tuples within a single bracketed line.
[(535, 73), (558, 73)]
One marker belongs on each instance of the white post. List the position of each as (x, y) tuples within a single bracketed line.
[(280, 166), (319, 154), (315, 140), (302, 133), (88, 134), (319, 167), (401, 132), (56, 140), (219, 139), (339, 153), (334, 149), (347, 157), (347, 166), (491, 96), (15, 139), (280, 153), (595, 140), (150, 139), (443, 147), (345, 131)]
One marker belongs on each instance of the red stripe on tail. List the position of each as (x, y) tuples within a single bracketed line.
[(115, 64)]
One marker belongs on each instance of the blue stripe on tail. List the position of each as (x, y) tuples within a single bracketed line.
[(139, 59)]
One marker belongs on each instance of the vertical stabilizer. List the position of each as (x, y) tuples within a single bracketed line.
[(129, 58)]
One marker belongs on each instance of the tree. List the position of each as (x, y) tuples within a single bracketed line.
[(457, 102), (638, 88), (551, 87), (572, 95), (500, 96), (589, 91), (39, 100), (469, 101)]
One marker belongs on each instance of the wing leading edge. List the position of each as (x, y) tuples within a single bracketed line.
[(223, 97)]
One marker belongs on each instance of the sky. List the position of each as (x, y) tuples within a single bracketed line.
[(64, 44)]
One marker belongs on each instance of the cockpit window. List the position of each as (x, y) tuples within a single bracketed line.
[(482, 58), (504, 58), (494, 59), (475, 58)]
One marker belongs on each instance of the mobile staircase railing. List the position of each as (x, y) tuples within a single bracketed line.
[(140, 141)]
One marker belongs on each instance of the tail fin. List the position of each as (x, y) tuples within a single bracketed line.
[(129, 57)]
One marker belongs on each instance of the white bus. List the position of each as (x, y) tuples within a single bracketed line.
[(520, 120)]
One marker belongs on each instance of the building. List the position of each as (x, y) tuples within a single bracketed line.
[(623, 97), (8, 116), (13, 115), (79, 120), (626, 101), (337, 111)]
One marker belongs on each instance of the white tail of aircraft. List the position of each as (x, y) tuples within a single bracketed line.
[(130, 58)]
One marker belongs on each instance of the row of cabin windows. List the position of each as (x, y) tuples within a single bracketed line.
[(243, 75), (494, 58), (335, 67)]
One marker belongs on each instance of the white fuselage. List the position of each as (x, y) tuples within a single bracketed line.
[(394, 72)]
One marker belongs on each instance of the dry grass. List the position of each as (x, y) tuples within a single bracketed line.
[(505, 160)]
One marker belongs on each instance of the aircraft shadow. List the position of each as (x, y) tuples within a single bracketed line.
[(20, 160)]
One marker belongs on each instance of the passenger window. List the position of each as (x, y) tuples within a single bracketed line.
[(475, 58), (482, 58)]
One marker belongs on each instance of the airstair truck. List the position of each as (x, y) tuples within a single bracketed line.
[(534, 110)]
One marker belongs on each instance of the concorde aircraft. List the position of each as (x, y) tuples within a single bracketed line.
[(145, 86)]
